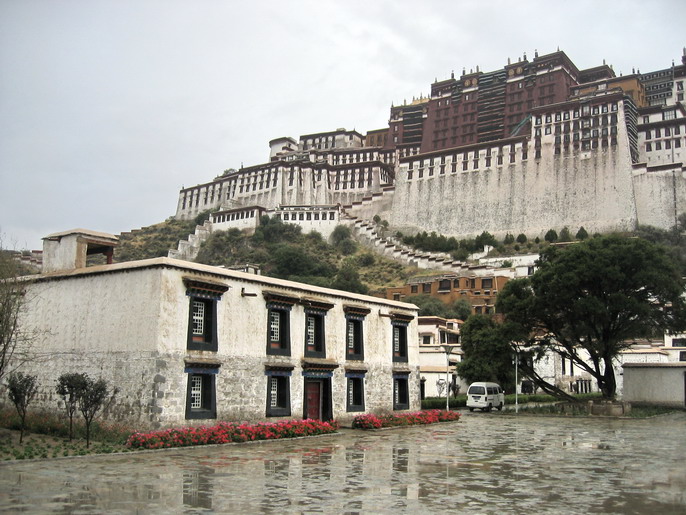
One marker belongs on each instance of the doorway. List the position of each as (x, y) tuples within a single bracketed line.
[(313, 400), (317, 399)]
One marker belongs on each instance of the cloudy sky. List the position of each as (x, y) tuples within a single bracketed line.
[(109, 107)]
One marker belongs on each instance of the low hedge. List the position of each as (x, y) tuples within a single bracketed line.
[(229, 432), (404, 419)]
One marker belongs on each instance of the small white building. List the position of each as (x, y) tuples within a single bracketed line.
[(190, 343), (656, 383), (439, 352)]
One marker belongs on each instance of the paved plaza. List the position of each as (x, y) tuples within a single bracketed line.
[(485, 463)]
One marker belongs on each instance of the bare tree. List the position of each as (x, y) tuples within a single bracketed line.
[(11, 301), (15, 342)]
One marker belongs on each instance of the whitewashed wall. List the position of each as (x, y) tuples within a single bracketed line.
[(128, 323)]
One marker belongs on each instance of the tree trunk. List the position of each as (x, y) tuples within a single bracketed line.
[(544, 385), (607, 382)]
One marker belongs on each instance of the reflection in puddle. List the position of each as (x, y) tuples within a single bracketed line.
[(197, 488), (484, 464)]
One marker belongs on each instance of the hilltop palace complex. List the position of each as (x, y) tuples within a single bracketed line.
[(535, 145)]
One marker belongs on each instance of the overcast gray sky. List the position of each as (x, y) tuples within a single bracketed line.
[(108, 108)]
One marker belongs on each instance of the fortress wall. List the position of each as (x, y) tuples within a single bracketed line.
[(660, 195), (303, 186), (576, 188)]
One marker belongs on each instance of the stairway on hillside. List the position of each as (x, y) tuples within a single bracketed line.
[(188, 249), (358, 216)]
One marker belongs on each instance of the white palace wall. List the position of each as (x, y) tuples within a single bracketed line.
[(573, 168), (660, 194), (590, 188)]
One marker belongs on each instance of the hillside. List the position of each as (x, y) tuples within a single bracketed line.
[(155, 240), (281, 250)]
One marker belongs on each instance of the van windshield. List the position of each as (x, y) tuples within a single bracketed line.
[(476, 390)]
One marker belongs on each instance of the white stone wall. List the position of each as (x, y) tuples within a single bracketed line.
[(106, 325), (663, 384), (577, 188), (128, 323), (291, 183), (660, 195), (322, 219)]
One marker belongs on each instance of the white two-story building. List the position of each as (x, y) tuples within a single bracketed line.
[(188, 343)]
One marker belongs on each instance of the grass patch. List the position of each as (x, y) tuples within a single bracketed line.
[(580, 409), (47, 436)]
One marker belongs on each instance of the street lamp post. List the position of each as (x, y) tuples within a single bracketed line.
[(447, 349), (516, 379)]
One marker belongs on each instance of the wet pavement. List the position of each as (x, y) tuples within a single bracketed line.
[(485, 463)]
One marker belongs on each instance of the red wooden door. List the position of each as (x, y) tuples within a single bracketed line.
[(313, 390)]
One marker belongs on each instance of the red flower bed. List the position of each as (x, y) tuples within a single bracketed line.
[(228, 432), (404, 419)]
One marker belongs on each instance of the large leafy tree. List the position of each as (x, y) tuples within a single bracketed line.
[(431, 306), (587, 302), (488, 355)]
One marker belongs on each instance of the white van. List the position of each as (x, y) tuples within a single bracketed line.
[(485, 396)]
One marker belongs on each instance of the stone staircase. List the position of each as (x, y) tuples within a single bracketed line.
[(371, 205), (358, 216), (188, 249)]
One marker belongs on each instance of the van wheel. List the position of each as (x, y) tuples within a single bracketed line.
[(490, 407), (500, 408), (471, 409)]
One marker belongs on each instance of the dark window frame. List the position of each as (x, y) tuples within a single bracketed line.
[(208, 393), (281, 406), (401, 392), (279, 345), (207, 295), (317, 347), (278, 306), (354, 320), (399, 341), (354, 391), (207, 340)]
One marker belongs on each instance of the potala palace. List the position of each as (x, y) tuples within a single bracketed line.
[(537, 144)]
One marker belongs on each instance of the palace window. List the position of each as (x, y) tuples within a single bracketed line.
[(401, 396), (278, 393), (399, 325), (200, 392), (202, 318), (355, 393), (278, 324), (315, 339), (354, 332)]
